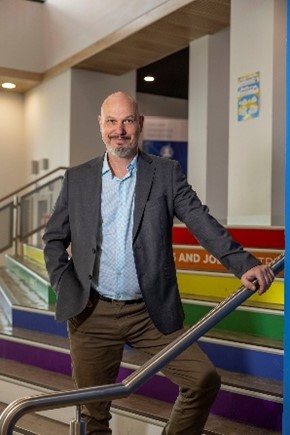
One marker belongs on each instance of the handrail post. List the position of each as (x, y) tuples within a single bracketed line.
[(15, 224), (78, 426)]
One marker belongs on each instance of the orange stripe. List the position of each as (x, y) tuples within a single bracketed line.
[(196, 258)]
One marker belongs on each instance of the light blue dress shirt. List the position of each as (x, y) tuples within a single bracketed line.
[(115, 275)]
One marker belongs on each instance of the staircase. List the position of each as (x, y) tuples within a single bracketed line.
[(246, 347)]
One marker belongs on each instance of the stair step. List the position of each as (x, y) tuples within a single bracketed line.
[(18, 292), (51, 353), (222, 285), (35, 424), (257, 237), (257, 321), (34, 253), (135, 405), (33, 337), (34, 277)]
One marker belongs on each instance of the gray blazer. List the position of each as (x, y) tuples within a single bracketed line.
[(162, 192)]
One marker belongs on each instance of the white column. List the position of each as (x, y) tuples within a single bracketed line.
[(208, 120), (251, 142)]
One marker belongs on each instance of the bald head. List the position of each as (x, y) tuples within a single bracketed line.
[(120, 125), (120, 99)]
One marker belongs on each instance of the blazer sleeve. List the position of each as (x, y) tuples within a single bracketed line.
[(57, 238), (210, 233)]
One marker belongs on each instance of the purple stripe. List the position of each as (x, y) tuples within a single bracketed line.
[(158, 387), (251, 410), (37, 357), (246, 409)]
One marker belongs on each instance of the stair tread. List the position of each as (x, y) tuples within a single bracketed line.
[(239, 337), (31, 300), (239, 380), (216, 300), (39, 337), (38, 424), (40, 269), (135, 403), (37, 267), (21, 292), (134, 358)]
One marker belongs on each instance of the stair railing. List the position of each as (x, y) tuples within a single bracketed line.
[(23, 212), (22, 406)]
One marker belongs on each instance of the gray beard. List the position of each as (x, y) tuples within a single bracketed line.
[(121, 152)]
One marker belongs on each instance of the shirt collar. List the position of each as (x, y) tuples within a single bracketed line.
[(106, 168)]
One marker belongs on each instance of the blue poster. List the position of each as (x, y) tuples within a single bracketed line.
[(248, 96), (176, 150)]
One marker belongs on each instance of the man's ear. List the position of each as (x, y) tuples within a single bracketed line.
[(141, 122), (100, 121)]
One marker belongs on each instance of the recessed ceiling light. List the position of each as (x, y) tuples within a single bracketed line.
[(8, 85), (149, 79)]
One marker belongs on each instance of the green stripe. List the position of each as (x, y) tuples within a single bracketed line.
[(41, 288), (259, 324)]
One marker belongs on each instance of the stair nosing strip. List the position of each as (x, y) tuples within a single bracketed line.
[(253, 393), (241, 308), (214, 274), (31, 272), (238, 344), (34, 343), (33, 310)]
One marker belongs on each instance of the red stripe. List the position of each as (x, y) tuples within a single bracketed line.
[(263, 238)]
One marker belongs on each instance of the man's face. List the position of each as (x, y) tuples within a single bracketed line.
[(120, 126)]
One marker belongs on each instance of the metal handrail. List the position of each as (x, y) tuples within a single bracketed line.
[(12, 194), (22, 406), (14, 221)]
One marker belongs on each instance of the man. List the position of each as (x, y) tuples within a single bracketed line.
[(119, 285)]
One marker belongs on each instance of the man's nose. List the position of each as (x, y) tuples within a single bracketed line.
[(120, 127)]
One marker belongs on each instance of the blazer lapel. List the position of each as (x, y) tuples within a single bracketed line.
[(145, 176), (93, 188)]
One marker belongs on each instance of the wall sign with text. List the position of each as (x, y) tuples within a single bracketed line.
[(248, 96)]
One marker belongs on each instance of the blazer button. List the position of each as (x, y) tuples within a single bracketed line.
[(94, 250), (90, 277)]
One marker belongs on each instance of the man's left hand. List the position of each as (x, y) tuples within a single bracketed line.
[(264, 276)]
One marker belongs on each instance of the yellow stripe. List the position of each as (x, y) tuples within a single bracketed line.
[(35, 254), (217, 286)]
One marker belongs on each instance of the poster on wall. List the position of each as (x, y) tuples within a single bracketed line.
[(248, 96), (166, 137)]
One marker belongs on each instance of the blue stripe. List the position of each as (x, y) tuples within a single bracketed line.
[(38, 322), (248, 361)]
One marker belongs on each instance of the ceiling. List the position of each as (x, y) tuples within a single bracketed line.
[(170, 74), (161, 48)]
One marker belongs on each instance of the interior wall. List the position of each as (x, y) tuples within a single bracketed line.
[(88, 91), (13, 162), (208, 120), (158, 105), (36, 37), (279, 108), (47, 122), (21, 43), (251, 141), (218, 125)]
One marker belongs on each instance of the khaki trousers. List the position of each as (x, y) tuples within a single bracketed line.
[(97, 337)]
